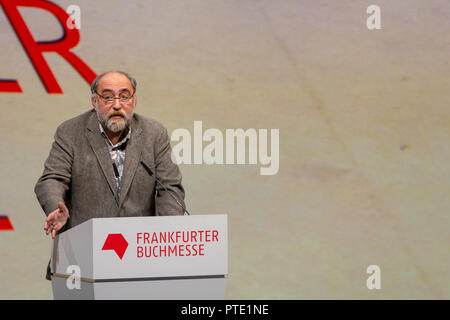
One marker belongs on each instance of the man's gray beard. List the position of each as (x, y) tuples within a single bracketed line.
[(116, 125), (113, 125)]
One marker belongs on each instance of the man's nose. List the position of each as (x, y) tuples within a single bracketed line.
[(116, 104)]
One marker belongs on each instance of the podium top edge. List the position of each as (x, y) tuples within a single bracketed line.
[(94, 222), (147, 217)]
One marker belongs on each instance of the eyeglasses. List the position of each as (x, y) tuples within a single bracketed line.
[(123, 97)]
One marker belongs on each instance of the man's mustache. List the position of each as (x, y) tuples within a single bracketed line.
[(116, 113)]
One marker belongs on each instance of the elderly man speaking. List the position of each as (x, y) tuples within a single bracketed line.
[(105, 162)]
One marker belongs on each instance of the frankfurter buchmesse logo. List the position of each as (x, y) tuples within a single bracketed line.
[(116, 242), (5, 223)]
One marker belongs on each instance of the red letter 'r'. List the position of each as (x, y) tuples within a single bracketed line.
[(34, 49)]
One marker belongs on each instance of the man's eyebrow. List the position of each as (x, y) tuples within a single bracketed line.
[(110, 90)]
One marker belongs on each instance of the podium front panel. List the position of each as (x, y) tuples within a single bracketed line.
[(160, 247)]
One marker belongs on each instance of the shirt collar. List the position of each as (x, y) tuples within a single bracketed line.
[(120, 143)]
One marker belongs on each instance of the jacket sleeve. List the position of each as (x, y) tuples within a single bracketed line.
[(54, 183), (170, 176)]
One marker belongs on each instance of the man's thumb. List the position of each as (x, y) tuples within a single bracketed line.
[(61, 206)]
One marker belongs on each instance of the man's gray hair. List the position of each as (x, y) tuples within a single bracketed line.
[(94, 84)]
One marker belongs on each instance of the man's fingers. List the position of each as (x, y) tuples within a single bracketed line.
[(49, 221), (56, 219), (48, 229), (50, 217)]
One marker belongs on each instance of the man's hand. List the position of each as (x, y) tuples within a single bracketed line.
[(56, 220)]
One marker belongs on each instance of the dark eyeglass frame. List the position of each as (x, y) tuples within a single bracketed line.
[(110, 101)]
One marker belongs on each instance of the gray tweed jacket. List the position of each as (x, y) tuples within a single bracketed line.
[(79, 172)]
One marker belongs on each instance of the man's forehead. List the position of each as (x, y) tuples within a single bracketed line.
[(114, 81)]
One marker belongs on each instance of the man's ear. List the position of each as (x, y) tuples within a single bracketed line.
[(94, 101)]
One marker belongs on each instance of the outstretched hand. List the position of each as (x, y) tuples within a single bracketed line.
[(56, 220)]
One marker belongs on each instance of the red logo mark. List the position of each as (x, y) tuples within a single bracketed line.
[(116, 242), (5, 224)]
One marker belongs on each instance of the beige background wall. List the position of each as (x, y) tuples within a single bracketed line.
[(364, 126)]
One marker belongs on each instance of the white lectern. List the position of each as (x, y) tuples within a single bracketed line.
[(162, 257)]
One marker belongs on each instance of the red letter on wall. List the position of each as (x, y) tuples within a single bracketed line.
[(35, 49)]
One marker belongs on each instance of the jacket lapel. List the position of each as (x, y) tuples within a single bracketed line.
[(97, 142), (132, 157)]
